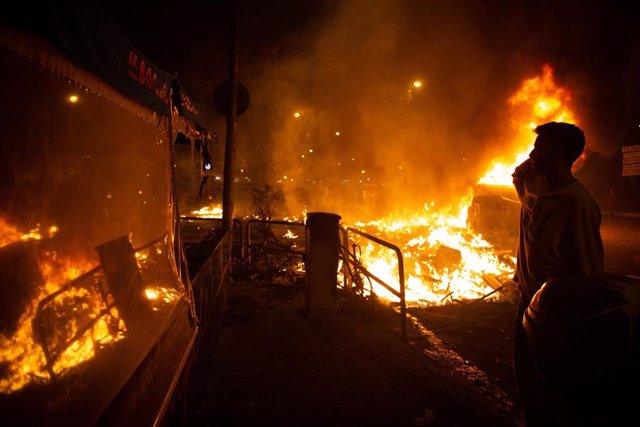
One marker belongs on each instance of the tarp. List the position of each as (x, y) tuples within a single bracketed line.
[(187, 107), (84, 32), (97, 326)]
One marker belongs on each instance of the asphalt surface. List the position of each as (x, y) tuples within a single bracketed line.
[(271, 366), (621, 238)]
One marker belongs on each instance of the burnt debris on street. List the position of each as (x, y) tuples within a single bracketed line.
[(283, 213)]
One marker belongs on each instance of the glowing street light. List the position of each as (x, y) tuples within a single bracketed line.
[(73, 99), (297, 114), (415, 86)]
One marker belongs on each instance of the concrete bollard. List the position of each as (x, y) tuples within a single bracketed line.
[(321, 264)]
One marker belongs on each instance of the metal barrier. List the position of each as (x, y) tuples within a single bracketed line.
[(238, 225), (211, 281), (270, 257), (50, 355), (248, 238), (352, 266), (40, 324)]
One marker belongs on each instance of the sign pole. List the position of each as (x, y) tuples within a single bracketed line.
[(229, 146)]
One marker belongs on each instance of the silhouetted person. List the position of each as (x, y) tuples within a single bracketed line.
[(559, 238)]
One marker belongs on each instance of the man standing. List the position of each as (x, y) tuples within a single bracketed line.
[(559, 237)]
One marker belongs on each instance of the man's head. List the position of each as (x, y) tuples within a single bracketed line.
[(557, 146)]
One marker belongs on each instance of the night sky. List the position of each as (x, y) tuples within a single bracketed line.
[(346, 60), (596, 43)]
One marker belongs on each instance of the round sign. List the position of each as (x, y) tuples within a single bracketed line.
[(222, 98)]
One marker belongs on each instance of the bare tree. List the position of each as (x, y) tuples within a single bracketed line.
[(266, 200)]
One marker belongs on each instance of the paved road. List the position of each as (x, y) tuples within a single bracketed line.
[(621, 238), (273, 367), (481, 332)]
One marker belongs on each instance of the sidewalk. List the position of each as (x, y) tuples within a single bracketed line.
[(274, 367)]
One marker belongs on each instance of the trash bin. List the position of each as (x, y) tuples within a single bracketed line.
[(321, 264)]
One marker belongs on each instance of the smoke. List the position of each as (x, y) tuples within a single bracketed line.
[(347, 67), (348, 129), (366, 142)]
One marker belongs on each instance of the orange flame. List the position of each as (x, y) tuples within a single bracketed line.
[(213, 211), (75, 307), (160, 296), (10, 234), (443, 258), (537, 101), (290, 235)]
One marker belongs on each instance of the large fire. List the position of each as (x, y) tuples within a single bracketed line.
[(78, 320), (538, 100), (444, 259)]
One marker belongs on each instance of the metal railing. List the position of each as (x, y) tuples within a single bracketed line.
[(248, 243), (51, 355), (211, 280), (271, 256), (353, 267), (40, 324)]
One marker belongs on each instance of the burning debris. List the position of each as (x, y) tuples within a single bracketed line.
[(461, 251), (60, 311), (65, 316), (446, 256), (444, 259), (212, 211)]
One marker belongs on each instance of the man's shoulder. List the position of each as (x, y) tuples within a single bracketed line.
[(578, 190), (579, 195), (572, 194)]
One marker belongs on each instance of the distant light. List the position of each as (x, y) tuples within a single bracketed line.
[(207, 166), (297, 114), (242, 170), (353, 159), (311, 150), (73, 99), (363, 171), (139, 191), (337, 133), (399, 167), (417, 84), (302, 155)]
